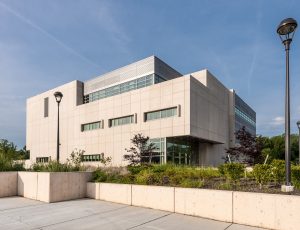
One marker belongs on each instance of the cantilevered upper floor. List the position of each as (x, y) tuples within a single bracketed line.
[(137, 75)]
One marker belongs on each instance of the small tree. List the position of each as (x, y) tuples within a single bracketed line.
[(248, 150), (105, 160), (76, 158), (140, 151), (262, 174)]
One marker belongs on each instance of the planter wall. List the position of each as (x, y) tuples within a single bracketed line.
[(266, 210), (8, 184), (212, 204), (92, 190), (157, 197), (272, 211), (53, 186)]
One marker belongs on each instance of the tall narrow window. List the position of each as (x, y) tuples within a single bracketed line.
[(46, 107)]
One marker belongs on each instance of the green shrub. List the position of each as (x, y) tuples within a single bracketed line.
[(99, 176), (146, 177), (221, 169), (262, 174), (189, 183), (233, 171), (296, 176), (137, 168), (54, 166), (278, 171), (224, 186)]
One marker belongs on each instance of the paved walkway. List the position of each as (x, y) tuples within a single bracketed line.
[(21, 213)]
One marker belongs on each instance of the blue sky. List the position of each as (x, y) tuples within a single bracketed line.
[(44, 44)]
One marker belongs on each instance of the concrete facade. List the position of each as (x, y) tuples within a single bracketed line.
[(204, 118)]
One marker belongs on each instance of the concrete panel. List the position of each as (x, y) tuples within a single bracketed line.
[(43, 186), (93, 190), (266, 210), (68, 185), (118, 193), (157, 197), (212, 204), (8, 184), (28, 184)]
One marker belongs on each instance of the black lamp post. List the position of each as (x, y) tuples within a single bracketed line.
[(298, 124), (286, 31), (58, 96)]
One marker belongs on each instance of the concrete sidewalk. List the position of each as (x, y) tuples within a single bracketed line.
[(21, 213)]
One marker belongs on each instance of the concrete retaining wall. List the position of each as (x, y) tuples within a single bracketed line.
[(118, 193), (156, 197), (53, 186), (213, 204), (272, 211), (266, 210), (8, 184), (92, 190), (68, 185)]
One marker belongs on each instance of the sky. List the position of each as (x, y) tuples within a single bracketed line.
[(44, 44)]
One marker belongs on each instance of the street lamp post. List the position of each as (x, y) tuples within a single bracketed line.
[(58, 96), (286, 31), (298, 124)]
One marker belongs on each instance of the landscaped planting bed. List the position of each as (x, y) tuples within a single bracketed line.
[(232, 176)]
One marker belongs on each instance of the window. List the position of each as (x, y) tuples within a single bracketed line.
[(92, 157), (121, 88), (42, 159), (91, 126), (171, 112), (158, 155), (245, 117), (158, 79), (46, 107), (121, 121)]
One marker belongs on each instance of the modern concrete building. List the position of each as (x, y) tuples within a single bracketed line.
[(191, 118)]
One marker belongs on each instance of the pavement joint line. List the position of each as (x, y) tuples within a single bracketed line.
[(82, 217), (149, 221), (228, 226), (8, 209)]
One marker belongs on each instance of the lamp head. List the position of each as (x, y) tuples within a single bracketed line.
[(286, 29), (58, 96), (298, 124)]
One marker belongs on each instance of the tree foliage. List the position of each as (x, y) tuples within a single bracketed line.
[(141, 152), (248, 150), (9, 150)]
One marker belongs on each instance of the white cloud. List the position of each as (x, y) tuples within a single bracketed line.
[(277, 121)]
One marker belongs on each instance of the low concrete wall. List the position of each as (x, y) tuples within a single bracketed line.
[(68, 185), (8, 184), (53, 186), (266, 210), (27, 184), (157, 197), (118, 193), (212, 204), (93, 190), (272, 211)]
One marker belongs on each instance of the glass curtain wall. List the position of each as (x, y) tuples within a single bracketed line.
[(159, 153), (182, 150), (175, 150)]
